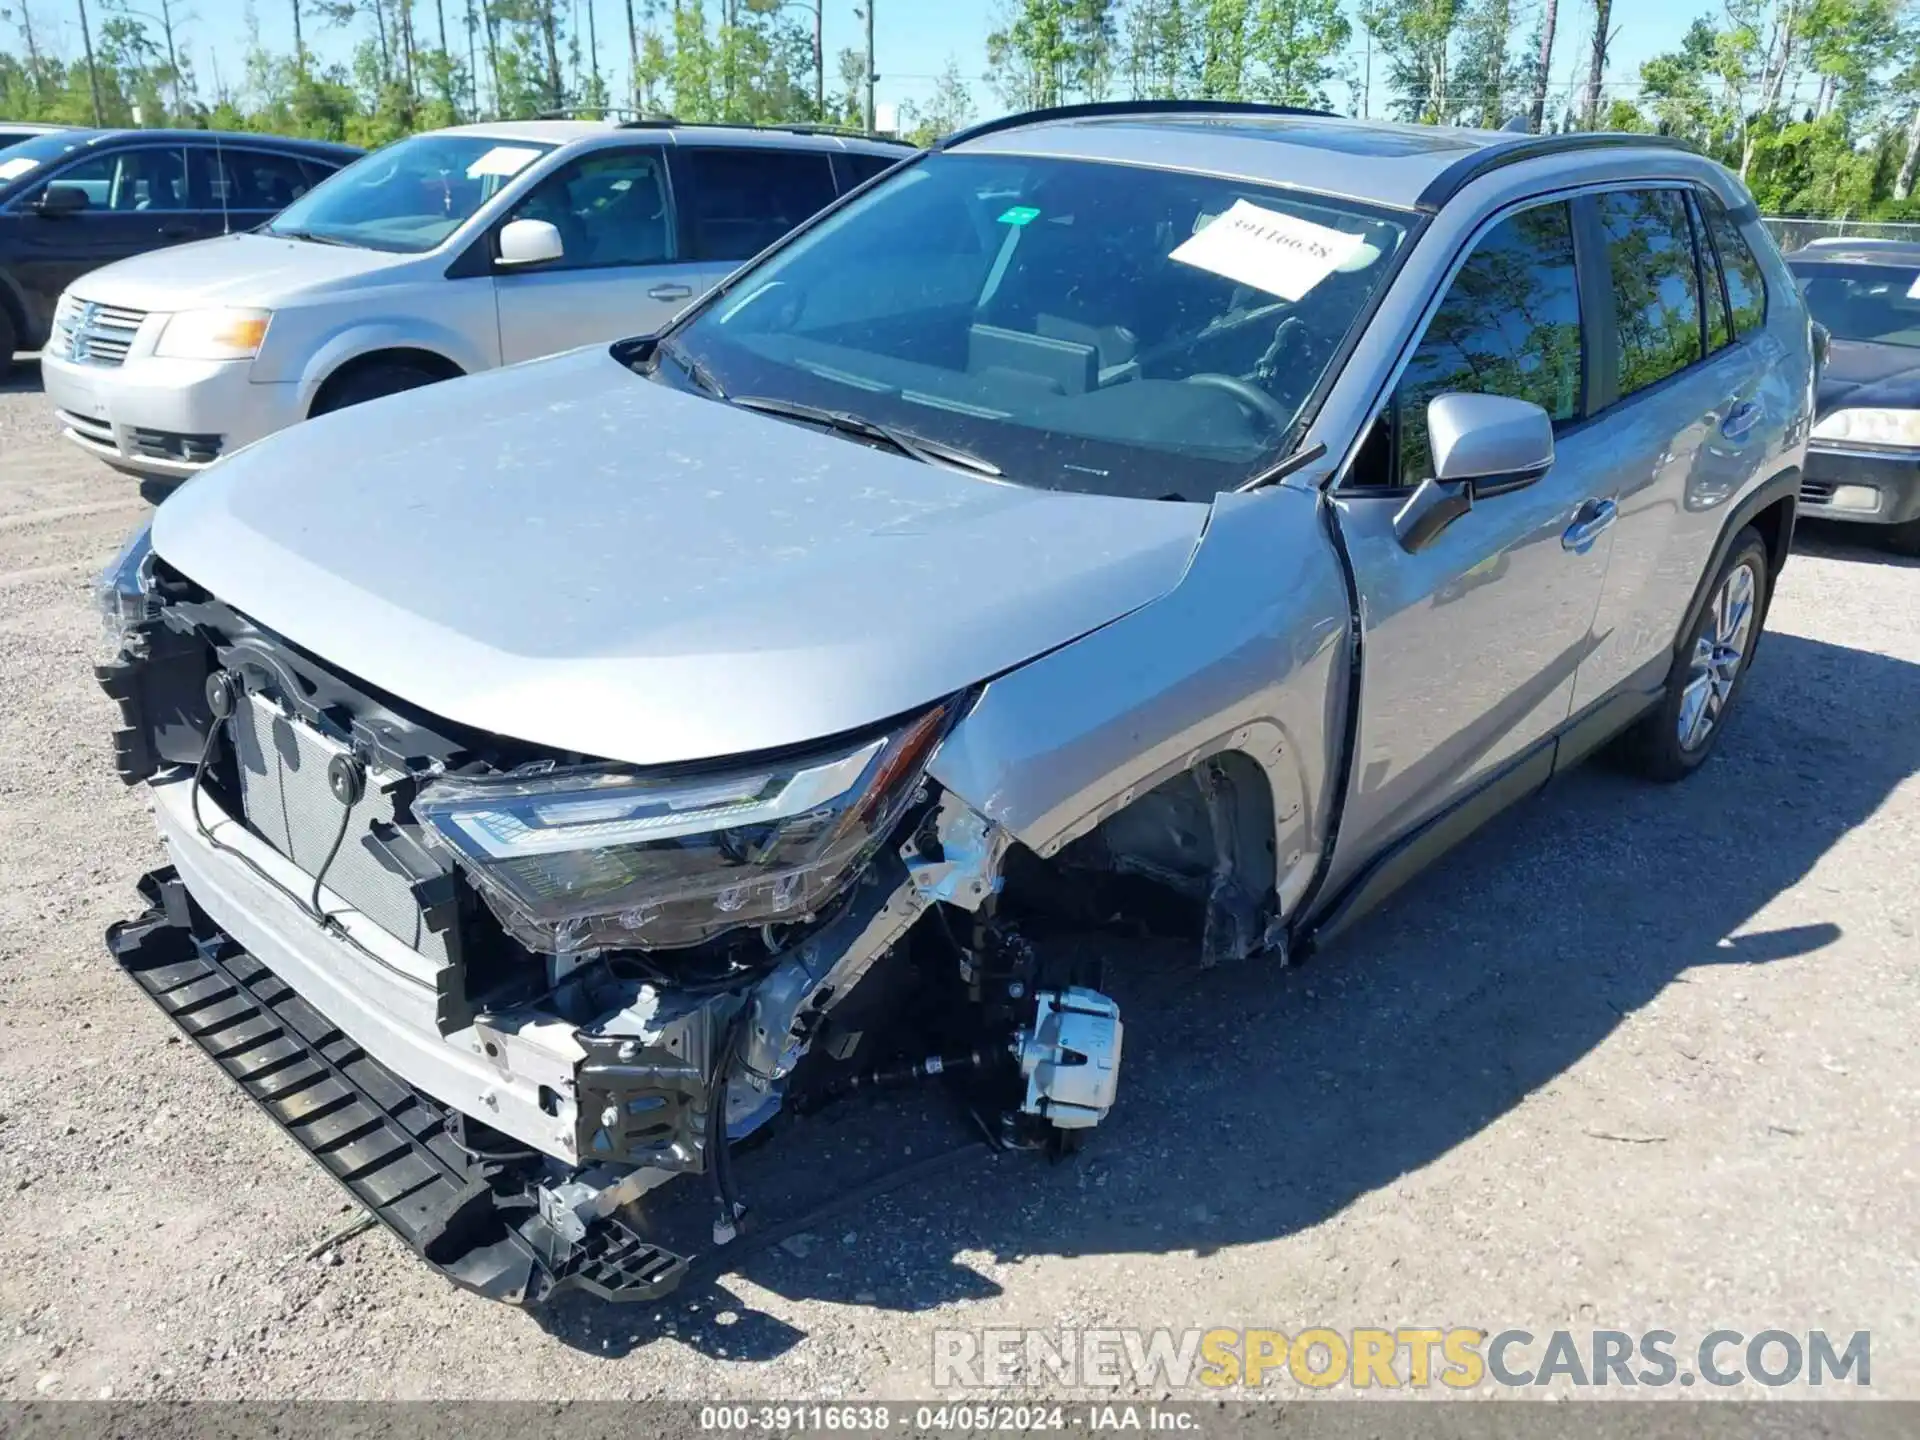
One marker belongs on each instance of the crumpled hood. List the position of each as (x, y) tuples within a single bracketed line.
[(245, 269), (570, 555), (1861, 375)]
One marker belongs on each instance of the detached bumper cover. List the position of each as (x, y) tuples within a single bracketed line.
[(396, 1150)]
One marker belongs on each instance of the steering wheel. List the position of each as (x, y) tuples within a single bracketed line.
[(1252, 397)]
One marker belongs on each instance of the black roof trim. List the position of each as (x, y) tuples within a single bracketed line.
[(1464, 171), (843, 132), (1102, 109)]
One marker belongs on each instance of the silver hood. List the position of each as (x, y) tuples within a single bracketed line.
[(573, 556), (244, 269)]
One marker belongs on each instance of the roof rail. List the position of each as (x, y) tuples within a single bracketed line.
[(585, 112), (847, 132), (1099, 109), (1484, 161)]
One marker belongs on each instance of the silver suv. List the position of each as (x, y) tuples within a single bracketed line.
[(566, 770), (443, 254)]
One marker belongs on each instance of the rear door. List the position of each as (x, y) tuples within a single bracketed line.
[(137, 200), (621, 273), (1684, 400), (736, 201), (238, 187)]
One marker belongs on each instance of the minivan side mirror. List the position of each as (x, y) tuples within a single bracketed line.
[(58, 200), (1482, 446), (530, 242)]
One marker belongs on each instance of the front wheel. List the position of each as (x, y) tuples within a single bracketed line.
[(370, 382), (1675, 738), (1901, 539), (8, 340)]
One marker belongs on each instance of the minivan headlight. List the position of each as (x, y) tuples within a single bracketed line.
[(213, 335), (598, 857), (1871, 427)]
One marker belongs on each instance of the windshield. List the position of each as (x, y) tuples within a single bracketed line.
[(1081, 326), (408, 197), (22, 162), (1876, 303)]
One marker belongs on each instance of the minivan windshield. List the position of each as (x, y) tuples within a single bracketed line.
[(409, 196), (1076, 325), (1875, 303)]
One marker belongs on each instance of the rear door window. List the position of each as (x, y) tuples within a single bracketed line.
[(228, 178), (738, 202), (1746, 282), (1656, 284), (1509, 325), (1719, 322), (864, 167)]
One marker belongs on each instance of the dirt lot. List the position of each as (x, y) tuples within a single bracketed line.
[(1636, 1057)]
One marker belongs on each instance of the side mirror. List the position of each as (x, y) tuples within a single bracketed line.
[(1482, 446), (529, 242), (58, 200)]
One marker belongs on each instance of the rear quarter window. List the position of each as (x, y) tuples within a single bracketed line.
[(1746, 281)]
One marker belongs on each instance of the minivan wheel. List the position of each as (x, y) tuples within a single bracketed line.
[(1674, 739), (356, 387)]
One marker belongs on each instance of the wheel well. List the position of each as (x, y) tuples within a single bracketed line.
[(1775, 524), (438, 365)]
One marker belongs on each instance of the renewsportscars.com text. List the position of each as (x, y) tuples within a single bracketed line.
[(1405, 1357)]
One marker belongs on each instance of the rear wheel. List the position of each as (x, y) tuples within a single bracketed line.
[(1675, 738), (370, 382)]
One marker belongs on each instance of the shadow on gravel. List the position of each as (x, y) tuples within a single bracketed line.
[(1257, 1103), (23, 378), (1833, 541)]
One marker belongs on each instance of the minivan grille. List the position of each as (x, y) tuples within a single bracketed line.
[(88, 333)]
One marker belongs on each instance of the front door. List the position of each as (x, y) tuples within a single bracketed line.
[(620, 272), (1470, 646)]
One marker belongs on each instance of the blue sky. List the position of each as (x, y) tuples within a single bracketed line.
[(914, 38)]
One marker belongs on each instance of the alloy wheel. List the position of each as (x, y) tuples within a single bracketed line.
[(1718, 653)]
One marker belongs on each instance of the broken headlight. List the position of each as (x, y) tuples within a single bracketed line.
[(124, 590), (599, 857)]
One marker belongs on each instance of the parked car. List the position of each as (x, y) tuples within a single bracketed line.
[(1863, 464), (565, 769), (441, 255), (72, 201), (12, 132)]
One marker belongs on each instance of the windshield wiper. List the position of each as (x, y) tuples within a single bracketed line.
[(845, 422), (696, 370), (308, 236)]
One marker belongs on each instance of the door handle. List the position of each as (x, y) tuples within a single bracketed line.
[(1740, 420), (670, 292), (1590, 522), (176, 232)]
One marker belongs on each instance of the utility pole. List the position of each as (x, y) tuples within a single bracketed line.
[(93, 74), (820, 61), (871, 77)]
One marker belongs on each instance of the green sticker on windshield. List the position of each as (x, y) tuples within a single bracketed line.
[(1020, 215)]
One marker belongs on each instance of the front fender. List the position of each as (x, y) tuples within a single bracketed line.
[(1247, 654), (365, 338)]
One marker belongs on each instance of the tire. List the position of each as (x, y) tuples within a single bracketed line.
[(1676, 737), (370, 382), (1904, 539), (9, 341)]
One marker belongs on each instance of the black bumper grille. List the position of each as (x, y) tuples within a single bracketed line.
[(396, 1150)]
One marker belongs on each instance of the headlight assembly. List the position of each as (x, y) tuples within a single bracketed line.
[(599, 857), (123, 591), (1871, 427), (213, 335)]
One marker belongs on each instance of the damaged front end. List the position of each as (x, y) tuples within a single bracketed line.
[(503, 995)]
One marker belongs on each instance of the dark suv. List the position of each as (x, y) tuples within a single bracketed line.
[(74, 200)]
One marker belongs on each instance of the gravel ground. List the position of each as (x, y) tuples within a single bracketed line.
[(1635, 1057)]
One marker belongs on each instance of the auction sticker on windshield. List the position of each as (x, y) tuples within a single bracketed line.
[(1281, 254), (13, 169), (502, 160)]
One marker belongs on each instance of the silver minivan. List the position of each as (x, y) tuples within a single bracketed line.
[(441, 255)]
